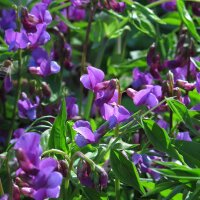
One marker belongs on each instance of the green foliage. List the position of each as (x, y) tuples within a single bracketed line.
[(57, 139), (125, 170)]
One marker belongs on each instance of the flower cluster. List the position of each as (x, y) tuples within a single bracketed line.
[(35, 177)]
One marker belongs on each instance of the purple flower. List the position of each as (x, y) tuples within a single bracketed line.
[(114, 114), (8, 85), (40, 63), (145, 162), (106, 92), (27, 108), (8, 19), (79, 3), (163, 124), (17, 134), (185, 85), (28, 151), (16, 40), (85, 134), (149, 96), (40, 37), (72, 107), (93, 77), (38, 15), (153, 60), (75, 14), (185, 136), (169, 6), (22, 40), (196, 107), (116, 6), (198, 82), (38, 178), (113, 4), (4, 197), (140, 79), (93, 179), (196, 8)]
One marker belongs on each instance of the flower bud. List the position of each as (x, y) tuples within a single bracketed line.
[(94, 179), (46, 89), (62, 167), (185, 85)]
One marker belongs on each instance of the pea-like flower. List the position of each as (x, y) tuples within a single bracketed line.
[(140, 79), (8, 19), (22, 39), (149, 96), (183, 136), (27, 108), (38, 15), (97, 178), (41, 64), (145, 163), (36, 178), (72, 107), (93, 77)]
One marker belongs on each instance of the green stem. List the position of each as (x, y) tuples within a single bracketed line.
[(56, 151), (73, 158), (1, 189), (117, 188), (89, 105), (85, 48), (16, 98)]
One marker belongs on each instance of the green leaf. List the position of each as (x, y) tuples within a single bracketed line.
[(172, 18), (93, 194), (160, 139), (182, 113), (125, 170), (187, 19), (190, 151), (147, 12), (156, 135), (59, 7), (159, 188), (45, 139), (141, 22), (57, 139), (6, 4)]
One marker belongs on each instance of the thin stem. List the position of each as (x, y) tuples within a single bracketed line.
[(16, 98), (117, 188), (85, 48), (89, 105), (19, 83), (56, 151), (1, 189), (73, 158)]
